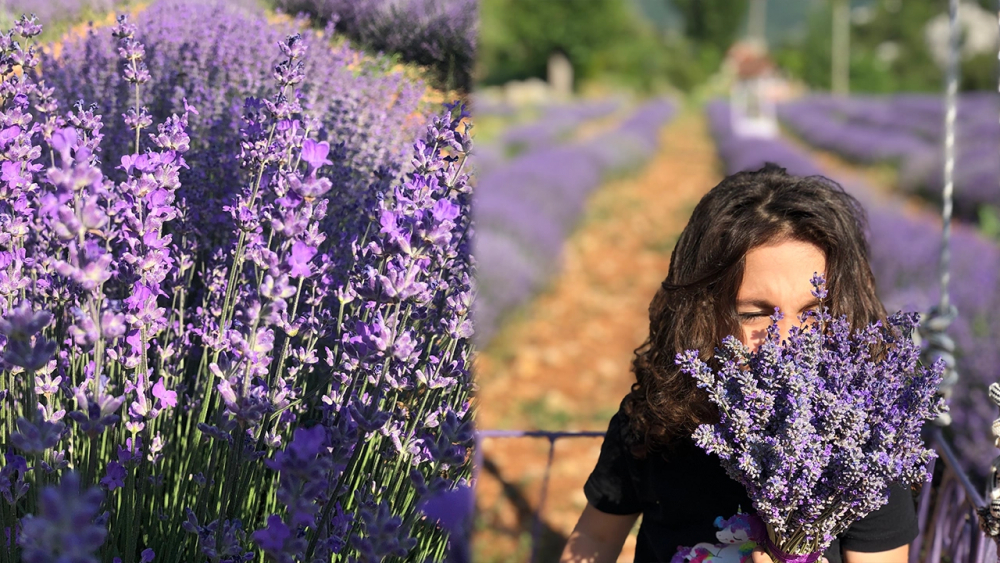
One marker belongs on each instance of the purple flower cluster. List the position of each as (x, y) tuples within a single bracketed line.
[(64, 528), (904, 257), (440, 34), (526, 207), (362, 112), (907, 130), (817, 427), (232, 295)]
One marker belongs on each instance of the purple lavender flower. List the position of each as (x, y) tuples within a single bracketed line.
[(64, 528), (279, 541), (315, 153), (115, 476), (12, 478), (37, 438), (96, 412), (298, 260), (304, 466), (22, 323)]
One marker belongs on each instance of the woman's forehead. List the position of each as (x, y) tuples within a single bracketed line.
[(781, 270)]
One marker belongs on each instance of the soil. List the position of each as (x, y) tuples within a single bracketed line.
[(562, 362)]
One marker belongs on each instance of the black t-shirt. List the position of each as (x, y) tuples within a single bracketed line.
[(686, 499)]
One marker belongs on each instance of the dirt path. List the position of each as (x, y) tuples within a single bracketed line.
[(562, 362)]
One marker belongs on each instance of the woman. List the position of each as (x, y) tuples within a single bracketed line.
[(752, 244)]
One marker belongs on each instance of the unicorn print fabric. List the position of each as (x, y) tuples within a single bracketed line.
[(735, 543)]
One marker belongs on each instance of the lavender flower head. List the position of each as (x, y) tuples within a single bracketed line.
[(819, 426), (64, 529)]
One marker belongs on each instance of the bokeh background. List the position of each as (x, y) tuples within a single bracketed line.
[(600, 124)]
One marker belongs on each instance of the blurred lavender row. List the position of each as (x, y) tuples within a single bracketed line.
[(49, 11), (438, 33), (908, 130), (526, 208), (555, 124), (904, 257)]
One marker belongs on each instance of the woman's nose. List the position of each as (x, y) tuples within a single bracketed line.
[(784, 325)]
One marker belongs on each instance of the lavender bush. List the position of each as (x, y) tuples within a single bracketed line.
[(819, 426), (525, 208), (359, 109), (440, 34), (298, 396), (904, 258)]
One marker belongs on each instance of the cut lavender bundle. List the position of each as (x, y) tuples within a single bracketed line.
[(817, 427)]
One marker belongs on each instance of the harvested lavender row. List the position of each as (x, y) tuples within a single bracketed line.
[(907, 130), (526, 208), (438, 33), (904, 258), (301, 395)]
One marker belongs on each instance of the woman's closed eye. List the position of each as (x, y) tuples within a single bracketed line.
[(753, 315)]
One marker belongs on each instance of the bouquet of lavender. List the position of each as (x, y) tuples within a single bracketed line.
[(818, 427)]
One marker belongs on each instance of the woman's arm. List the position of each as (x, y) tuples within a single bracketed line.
[(899, 555), (598, 537)]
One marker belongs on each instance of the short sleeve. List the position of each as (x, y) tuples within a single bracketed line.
[(891, 526), (610, 487)]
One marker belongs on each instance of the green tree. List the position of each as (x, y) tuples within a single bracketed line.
[(712, 24), (889, 52), (599, 37), (710, 28)]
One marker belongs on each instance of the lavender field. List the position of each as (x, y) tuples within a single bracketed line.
[(907, 131), (527, 205), (904, 256), (235, 284), (438, 33)]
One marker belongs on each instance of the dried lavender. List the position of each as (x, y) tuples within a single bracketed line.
[(819, 426)]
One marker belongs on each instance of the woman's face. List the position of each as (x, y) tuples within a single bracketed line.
[(777, 274)]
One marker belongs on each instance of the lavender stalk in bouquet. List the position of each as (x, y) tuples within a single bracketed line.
[(819, 426)]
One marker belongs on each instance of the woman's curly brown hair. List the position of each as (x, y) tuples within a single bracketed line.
[(695, 308)]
